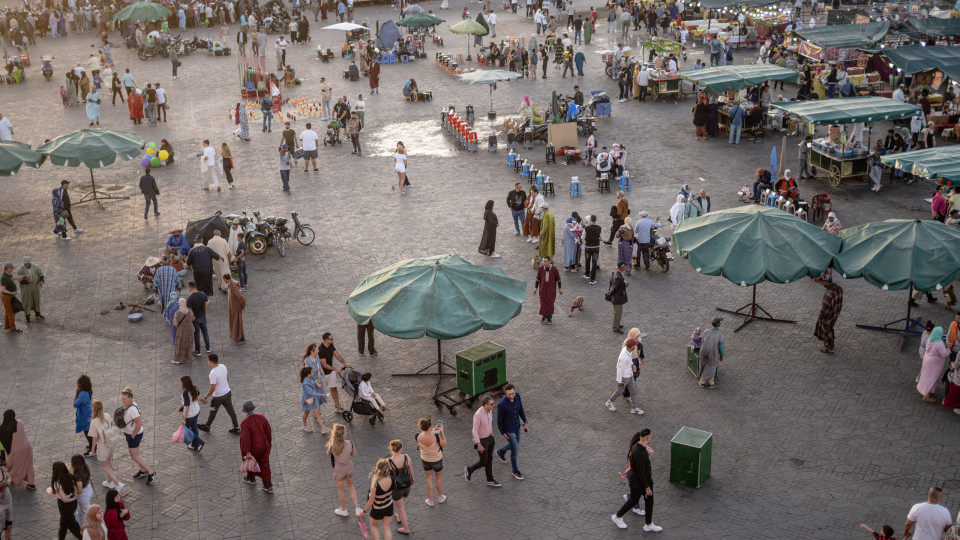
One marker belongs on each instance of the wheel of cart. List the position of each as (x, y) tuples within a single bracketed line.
[(347, 416), (453, 397), (834, 174)]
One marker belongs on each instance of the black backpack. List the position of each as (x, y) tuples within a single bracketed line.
[(401, 477), (118, 419)]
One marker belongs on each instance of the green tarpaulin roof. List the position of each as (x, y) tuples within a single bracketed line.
[(721, 79), (845, 35), (940, 162), (717, 4), (915, 58), (937, 27), (849, 110), (752, 244)]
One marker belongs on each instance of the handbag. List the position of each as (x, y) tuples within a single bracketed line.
[(249, 465), (16, 304), (177, 435)]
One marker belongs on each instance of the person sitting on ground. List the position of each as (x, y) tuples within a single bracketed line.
[(145, 275), (166, 146), (762, 182)]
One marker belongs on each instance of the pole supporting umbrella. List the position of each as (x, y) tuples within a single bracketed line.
[(749, 313), (910, 326)]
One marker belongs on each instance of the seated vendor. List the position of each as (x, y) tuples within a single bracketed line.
[(145, 275), (787, 186), (289, 71), (179, 241), (763, 181), (354, 71), (410, 90), (165, 145), (604, 161)]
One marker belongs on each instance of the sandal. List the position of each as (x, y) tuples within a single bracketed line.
[(401, 531), (825, 350), (307, 429), (325, 430)]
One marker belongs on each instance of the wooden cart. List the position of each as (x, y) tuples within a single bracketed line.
[(837, 166), (661, 88)]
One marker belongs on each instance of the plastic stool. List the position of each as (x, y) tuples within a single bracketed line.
[(625, 181), (525, 168), (511, 159), (518, 163), (772, 200), (551, 153), (541, 179), (548, 187), (405, 59), (575, 187), (603, 184)]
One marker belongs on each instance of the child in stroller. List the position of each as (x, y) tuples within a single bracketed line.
[(351, 380), (333, 133)]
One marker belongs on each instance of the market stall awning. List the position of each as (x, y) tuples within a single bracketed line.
[(937, 27), (718, 4), (848, 110), (915, 58), (721, 79), (845, 35), (934, 163)]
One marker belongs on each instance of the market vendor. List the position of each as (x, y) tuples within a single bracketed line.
[(149, 268), (410, 90), (763, 181), (787, 186), (179, 241)]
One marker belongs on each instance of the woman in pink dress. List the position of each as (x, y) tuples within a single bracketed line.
[(932, 368), (13, 437)]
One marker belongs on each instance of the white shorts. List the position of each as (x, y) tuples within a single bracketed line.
[(331, 380), (401, 168)]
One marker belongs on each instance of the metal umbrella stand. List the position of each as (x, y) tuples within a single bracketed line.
[(490, 77)]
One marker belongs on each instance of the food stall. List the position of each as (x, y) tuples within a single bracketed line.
[(941, 164), (831, 154), (663, 83), (839, 42), (732, 78)]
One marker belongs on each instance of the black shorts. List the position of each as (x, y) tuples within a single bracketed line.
[(435, 466), (133, 442), (380, 514), (400, 493)]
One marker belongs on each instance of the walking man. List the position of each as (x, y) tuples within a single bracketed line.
[(309, 140), (365, 334), (327, 352), (236, 303), (326, 93), (515, 201), (62, 196), (641, 485), (197, 302), (133, 433), (31, 280), (591, 247), (829, 312), (930, 518), (617, 294), (200, 259), (643, 234), (208, 166), (353, 128), (256, 440), (266, 108), (625, 380), (161, 102), (148, 186), (483, 441), (222, 397), (510, 418), (285, 159), (711, 354), (736, 122)]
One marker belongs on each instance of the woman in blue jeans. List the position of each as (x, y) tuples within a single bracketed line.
[(191, 410)]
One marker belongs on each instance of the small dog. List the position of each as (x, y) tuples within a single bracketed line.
[(575, 305)]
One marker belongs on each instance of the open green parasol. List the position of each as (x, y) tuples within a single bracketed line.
[(93, 148), (420, 20), (14, 155), (143, 11)]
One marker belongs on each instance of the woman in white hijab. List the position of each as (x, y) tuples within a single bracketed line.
[(677, 211)]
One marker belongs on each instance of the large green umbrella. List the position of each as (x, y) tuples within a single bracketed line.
[(901, 254), (724, 78), (752, 244), (143, 12), (420, 20), (942, 162), (848, 110), (93, 148), (469, 27), (14, 155), (444, 297)]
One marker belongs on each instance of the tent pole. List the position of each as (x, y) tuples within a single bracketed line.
[(6, 214), (749, 312), (97, 196), (425, 370), (911, 326)]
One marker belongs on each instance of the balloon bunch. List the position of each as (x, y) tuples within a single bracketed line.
[(154, 158)]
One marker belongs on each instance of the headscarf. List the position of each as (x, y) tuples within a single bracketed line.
[(676, 211), (7, 428), (935, 335), (526, 101), (93, 526)]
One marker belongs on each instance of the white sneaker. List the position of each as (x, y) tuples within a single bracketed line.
[(107, 484), (358, 510), (536, 241), (636, 411), (495, 255), (652, 528), (67, 238), (956, 411), (610, 405), (119, 487), (342, 512), (78, 231), (639, 511), (231, 186), (619, 521), (528, 239)]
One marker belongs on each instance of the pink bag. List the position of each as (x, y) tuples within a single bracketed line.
[(177, 435), (363, 528), (249, 465)]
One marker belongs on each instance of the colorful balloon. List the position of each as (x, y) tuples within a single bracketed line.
[(152, 145), (155, 162), (150, 151), (163, 155), (145, 161)]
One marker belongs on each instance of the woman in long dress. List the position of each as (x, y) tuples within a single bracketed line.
[(548, 285), (531, 226), (71, 90), (240, 119), (932, 368), (170, 312), (135, 106), (488, 241), (713, 118), (13, 437), (571, 244), (700, 117), (183, 343), (93, 106)]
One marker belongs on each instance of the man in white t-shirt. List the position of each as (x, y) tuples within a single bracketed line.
[(898, 94), (222, 397), (161, 102), (6, 129), (930, 518), (309, 139), (492, 21), (133, 433), (208, 167)]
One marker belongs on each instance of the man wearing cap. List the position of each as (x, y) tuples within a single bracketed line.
[(643, 233), (625, 380), (898, 94), (256, 440), (148, 186), (8, 293), (179, 241), (61, 197), (200, 260), (711, 354), (617, 294), (30, 277), (829, 312), (548, 234)]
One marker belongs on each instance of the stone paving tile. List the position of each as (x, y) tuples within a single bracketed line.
[(796, 433)]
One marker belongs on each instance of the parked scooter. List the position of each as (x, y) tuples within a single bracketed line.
[(47, 67), (660, 251)]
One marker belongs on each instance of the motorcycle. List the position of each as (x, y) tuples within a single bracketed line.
[(47, 67), (255, 240), (660, 250), (302, 231), (271, 234), (154, 49)]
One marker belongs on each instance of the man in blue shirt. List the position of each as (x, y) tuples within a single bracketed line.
[(736, 122), (644, 235), (716, 47), (509, 416)]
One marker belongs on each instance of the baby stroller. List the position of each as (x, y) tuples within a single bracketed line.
[(350, 379), (333, 136)]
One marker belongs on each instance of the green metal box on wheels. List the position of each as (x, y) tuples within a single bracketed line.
[(690, 457), (481, 368)]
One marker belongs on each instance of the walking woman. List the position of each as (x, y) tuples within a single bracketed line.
[(93, 526), (71, 89), (341, 452), (700, 117), (135, 106), (400, 159), (531, 226), (81, 475), (402, 473), (114, 517), (240, 119), (933, 364), (81, 402), (190, 402), (13, 437), (312, 395), (99, 423), (64, 488), (488, 242), (938, 206), (380, 502), (431, 442), (226, 155), (183, 344)]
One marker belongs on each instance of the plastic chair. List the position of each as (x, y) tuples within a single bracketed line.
[(512, 159), (576, 189)]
